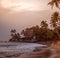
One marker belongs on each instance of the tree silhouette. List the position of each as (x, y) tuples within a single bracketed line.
[(44, 24), (57, 31), (54, 19), (15, 36), (54, 2), (13, 31)]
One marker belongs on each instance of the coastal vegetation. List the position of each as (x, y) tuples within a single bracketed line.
[(43, 33), (54, 2)]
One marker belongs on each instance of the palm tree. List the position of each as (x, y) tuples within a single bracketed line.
[(15, 37), (54, 19), (44, 24), (54, 2), (13, 31)]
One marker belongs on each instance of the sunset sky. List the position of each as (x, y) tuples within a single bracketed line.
[(20, 14), (19, 5)]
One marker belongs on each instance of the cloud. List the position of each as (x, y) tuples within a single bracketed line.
[(25, 4)]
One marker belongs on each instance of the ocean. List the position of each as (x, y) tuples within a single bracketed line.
[(10, 49)]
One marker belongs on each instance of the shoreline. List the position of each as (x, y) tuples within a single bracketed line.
[(48, 52), (42, 53), (52, 51)]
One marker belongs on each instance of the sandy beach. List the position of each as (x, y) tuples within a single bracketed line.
[(38, 54), (50, 52)]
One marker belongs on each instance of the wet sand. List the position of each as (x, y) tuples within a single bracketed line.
[(44, 53), (50, 52)]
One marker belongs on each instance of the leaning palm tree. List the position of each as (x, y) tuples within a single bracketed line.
[(54, 2)]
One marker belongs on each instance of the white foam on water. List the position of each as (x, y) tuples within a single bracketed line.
[(13, 48)]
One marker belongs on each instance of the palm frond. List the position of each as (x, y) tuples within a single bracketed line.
[(54, 2), (51, 3)]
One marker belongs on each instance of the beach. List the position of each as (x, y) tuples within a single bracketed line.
[(9, 49), (50, 52), (38, 54)]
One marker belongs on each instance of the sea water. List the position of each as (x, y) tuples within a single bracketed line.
[(8, 49)]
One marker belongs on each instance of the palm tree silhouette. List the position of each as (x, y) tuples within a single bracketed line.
[(44, 24), (54, 2), (13, 31), (54, 19)]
